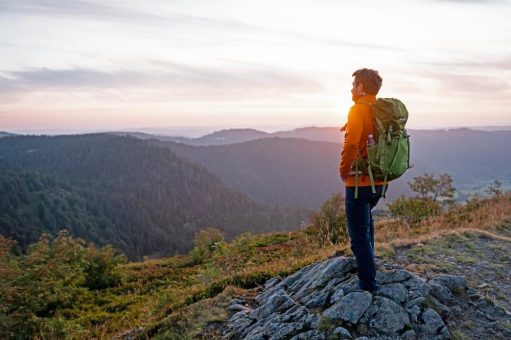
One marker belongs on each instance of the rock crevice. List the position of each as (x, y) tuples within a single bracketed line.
[(323, 301)]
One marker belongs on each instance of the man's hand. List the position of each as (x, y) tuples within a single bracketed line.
[(344, 177), (343, 128)]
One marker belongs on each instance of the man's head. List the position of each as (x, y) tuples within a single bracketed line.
[(366, 81)]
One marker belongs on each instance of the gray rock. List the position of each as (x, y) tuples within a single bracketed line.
[(417, 288), (394, 291), (296, 313), (316, 299), (472, 294), (409, 335), (252, 332), (370, 312), (455, 310), (241, 322), (310, 335), (441, 293), (336, 296), (336, 268), (237, 307), (414, 312), (262, 298), (350, 308), (272, 282), (279, 301), (330, 289), (433, 323), (420, 301), (444, 334), (319, 276), (313, 320), (455, 283), (333, 285), (296, 276), (306, 284), (277, 331), (440, 308), (342, 332), (390, 318), (393, 276), (350, 286)]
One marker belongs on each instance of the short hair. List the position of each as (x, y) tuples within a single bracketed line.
[(370, 79)]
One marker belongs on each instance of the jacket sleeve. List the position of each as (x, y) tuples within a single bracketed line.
[(351, 140)]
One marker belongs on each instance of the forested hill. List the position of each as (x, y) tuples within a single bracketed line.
[(304, 172), (284, 171), (141, 198)]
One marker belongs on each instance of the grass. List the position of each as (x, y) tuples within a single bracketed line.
[(173, 298)]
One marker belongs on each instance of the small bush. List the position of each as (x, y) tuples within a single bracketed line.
[(206, 242), (40, 287), (413, 210), (494, 189), (329, 226), (101, 268)]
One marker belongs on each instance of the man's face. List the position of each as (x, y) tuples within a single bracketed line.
[(357, 90)]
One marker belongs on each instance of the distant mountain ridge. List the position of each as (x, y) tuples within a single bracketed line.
[(6, 134), (283, 171), (323, 134), (305, 172), (233, 136)]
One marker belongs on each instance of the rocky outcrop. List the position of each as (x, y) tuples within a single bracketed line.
[(323, 301)]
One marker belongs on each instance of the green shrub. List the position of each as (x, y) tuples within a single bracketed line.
[(206, 242), (437, 189), (413, 210), (39, 288), (494, 189), (101, 267), (329, 226)]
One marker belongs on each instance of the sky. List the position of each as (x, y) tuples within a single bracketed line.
[(98, 65)]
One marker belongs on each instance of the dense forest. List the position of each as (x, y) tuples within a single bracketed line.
[(303, 171), (143, 199), (283, 171)]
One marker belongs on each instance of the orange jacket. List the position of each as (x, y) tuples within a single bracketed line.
[(358, 129)]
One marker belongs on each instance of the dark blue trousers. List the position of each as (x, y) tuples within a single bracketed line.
[(361, 232)]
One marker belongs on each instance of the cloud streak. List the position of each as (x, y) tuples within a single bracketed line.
[(101, 11), (473, 84), (185, 79), (97, 11)]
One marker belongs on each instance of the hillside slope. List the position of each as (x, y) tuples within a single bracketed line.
[(289, 171), (141, 198), (182, 298), (274, 170)]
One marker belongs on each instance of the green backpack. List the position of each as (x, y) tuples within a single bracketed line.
[(389, 157)]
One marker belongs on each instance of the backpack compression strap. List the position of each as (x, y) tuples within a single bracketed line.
[(369, 171)]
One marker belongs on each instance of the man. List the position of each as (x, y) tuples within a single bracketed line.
[(366, 85)]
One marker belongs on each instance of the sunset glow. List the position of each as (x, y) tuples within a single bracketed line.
[(103, 65)]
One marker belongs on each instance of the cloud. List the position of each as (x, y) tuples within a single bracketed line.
[(503, 64), (468, 77), (468, 1), (101, 11), (470, 85), (186, 80), (146, 15)]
